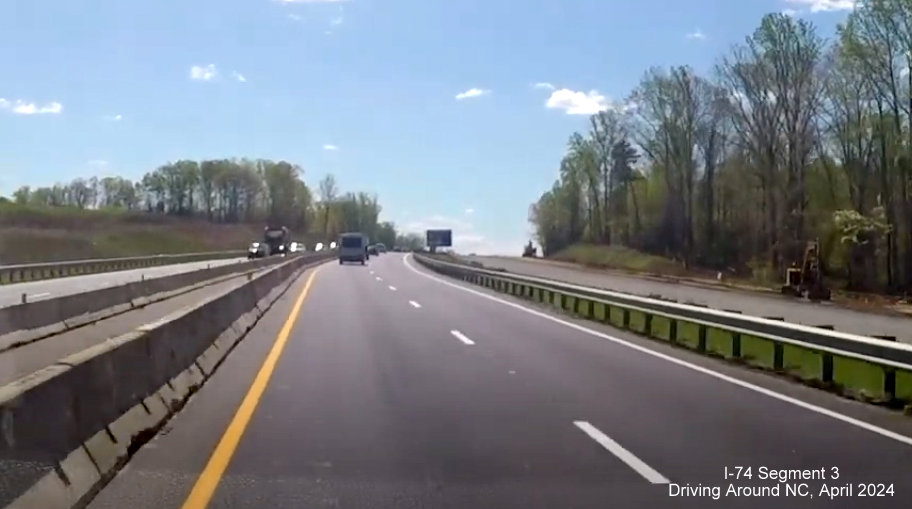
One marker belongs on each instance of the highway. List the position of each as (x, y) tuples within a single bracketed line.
[(389, 386), (49, 288), (757, 304)]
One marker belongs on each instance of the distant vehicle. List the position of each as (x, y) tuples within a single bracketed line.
[(381, 248), (257, 250), (332, 245), (353, 248), (278, 238), (373, 250), (318, 247), (297, 247)]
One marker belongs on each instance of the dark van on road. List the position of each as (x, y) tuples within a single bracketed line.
[(353, 248)]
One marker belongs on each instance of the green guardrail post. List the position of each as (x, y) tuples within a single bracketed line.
[(889, 380), (778, 354), (890, 383), (778, 348), (826, 360), (736, 345)]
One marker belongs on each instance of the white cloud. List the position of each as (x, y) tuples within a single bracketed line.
[(790, 12), (696, 35), (329, 146), (336, 21), (114, 118), (472, 92), (21, 107), (238, 76), (98, 163), (545, 85), (203, 73), (469, 211), (295, 17), (578, 103), (822, 5)]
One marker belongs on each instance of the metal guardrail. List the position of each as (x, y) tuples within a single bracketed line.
[(50, 270), (874, 368)]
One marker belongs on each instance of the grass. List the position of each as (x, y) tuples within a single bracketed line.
[(31, 234)]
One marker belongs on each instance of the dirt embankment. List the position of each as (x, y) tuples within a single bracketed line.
[(32, 235)]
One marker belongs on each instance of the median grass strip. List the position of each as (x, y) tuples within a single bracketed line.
[(865, 379)]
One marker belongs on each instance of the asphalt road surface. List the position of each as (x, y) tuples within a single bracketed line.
[(50, 288), (387, 386), (757, 304)]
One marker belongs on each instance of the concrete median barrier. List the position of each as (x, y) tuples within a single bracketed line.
[(76, 421), (864, 368), (10, 274), (24, 323)]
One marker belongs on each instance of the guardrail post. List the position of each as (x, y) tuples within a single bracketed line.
[(736, 345), (626, 321), (647, 324), (890, 383), (672, 330), (826, 360), (701, 338), (778, 350), (24, 298)]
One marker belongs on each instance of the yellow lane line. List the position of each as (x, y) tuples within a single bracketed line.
[(209, 479)]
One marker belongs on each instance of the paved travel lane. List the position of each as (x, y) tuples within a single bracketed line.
[(49, 288), (462, 401), (757, 304)]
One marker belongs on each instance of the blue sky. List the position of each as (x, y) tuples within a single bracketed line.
[(430, 104)]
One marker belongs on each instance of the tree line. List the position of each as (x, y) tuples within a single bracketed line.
[(791, 138), (226, 191)]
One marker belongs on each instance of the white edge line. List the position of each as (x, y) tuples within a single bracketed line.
[(414, 304), (700, 369), (393, 288), (462, 337), (622, 454), (39, 295)]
